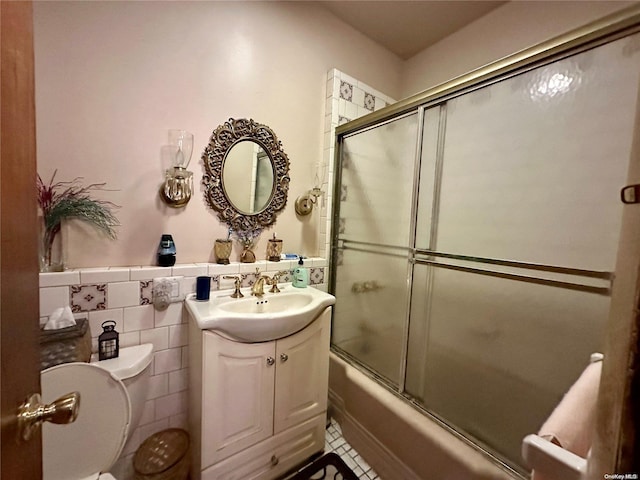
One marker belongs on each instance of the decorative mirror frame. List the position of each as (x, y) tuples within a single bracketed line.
[(223, 138)]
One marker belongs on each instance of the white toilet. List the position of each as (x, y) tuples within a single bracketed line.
[(112, 397)]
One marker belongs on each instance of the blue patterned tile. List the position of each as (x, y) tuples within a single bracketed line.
[(316, 275), (369, 101), (346, 91)]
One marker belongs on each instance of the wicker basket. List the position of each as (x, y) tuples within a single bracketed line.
[(70, 344), (163, 456)]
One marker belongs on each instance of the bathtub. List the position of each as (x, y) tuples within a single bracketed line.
[(399, 442)]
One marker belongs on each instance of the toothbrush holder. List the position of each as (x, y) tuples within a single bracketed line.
[(274, 249), (222, 249)]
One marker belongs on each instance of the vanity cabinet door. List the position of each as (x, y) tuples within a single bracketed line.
[(302, 376), (237, 396)]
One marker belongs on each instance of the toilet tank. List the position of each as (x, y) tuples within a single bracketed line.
[(133, 368)]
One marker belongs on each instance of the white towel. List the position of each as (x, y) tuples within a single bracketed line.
[(571, 425)]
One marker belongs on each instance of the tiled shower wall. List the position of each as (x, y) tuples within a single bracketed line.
[(125, 296), (346, 100)]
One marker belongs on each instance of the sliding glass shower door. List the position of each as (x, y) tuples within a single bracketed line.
[(377, 171), (511, 282), (512, 220)]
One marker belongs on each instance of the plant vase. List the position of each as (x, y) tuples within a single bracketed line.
[(51, 254)]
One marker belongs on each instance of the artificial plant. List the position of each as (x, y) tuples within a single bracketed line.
[(66, 200)]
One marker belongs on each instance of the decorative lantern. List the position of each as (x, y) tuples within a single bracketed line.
[(108, 341)]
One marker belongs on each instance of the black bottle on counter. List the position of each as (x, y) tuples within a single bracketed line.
[(166, 251)]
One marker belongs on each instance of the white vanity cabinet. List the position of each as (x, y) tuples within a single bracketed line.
[(258, 409)]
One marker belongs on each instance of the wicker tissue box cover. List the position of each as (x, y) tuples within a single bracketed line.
[(70, 344)]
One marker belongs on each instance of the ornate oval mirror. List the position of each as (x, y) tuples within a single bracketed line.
[(246, 176)]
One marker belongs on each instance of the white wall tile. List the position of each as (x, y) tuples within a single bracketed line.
[(123, 294), (104, 275), (158, 386), (129, 339), (178, 335), (251, 267), (358, 96), (170, 405), (138, 318), (188, 285), (185, 357), (171, 316), (178, 380), (98, 316), (148, 413), (147, 273), (231, 269), (56, 279), (158, 337), (52, 298), (167, 360), (189, 270)]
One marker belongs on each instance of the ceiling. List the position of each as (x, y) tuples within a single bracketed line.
[(407, 27)]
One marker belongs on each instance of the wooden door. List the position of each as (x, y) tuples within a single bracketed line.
[(19, 362), (237, 396), (302, 376)]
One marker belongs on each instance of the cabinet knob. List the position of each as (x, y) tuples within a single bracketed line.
[(270, 361), (284, 357), (274, 460)]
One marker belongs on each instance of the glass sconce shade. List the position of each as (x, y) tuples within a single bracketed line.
[(178, 183), (184, 141)]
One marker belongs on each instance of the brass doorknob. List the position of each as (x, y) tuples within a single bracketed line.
[(32, 413)]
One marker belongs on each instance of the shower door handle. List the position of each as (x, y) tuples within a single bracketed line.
[(630, 194)]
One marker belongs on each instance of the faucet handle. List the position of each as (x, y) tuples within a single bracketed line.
[(274, 281), (238, 281)]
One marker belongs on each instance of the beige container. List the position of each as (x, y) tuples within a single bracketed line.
[(274, 249), (222, 249)]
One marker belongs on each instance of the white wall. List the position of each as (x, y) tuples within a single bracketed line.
[(113, 77), (508, 29)]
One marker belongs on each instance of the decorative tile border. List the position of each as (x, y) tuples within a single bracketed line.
[(346, 91), (146, 292), (346, 99), (87, 298), (316, 276), (369, 101)]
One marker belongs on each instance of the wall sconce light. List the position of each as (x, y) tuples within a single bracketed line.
[(305, 203), (178, 181)]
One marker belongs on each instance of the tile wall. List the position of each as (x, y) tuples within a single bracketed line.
[(346, 100), (124, 294)]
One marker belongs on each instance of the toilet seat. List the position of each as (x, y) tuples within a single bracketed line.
[(91, 445)]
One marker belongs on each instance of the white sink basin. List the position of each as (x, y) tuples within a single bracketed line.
[(259, 319)]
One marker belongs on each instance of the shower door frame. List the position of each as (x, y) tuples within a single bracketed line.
[(617, 441)]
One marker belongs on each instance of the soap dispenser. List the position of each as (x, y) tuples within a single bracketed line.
[(300, 275)]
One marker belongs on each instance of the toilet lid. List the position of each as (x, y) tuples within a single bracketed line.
[(95, 440)]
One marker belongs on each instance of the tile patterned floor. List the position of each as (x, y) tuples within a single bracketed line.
[(335, 442)]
